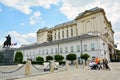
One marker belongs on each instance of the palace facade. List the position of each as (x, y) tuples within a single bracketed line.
[(90, 32)]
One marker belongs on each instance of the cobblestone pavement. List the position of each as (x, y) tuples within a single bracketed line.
[(80, 74)]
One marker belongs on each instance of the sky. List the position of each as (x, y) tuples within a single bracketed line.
[(23, 18)]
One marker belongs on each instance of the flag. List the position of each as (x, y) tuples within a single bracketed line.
[(14, 44)]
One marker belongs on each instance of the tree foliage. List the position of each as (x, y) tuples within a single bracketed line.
[(48, 58), (39, 59), (71, 57), (118, 51), (84, 56), (58, 57), (18, 57)]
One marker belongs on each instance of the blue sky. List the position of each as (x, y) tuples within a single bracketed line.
[(22, 18)]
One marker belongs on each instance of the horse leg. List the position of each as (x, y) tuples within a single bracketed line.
[(4, 45)]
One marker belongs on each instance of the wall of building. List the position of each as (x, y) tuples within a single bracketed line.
[(42, 37), (51, 49), (90, 21)]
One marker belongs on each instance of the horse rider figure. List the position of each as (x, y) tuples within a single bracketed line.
[(7, 43)]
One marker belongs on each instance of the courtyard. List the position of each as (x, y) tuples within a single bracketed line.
[(81, 73)]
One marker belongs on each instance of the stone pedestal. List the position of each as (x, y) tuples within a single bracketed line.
[(76, 63), (6, 56), (67, 65), (52, 66), (28, 68)]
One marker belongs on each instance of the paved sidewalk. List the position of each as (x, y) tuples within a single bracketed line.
[(81, 74)]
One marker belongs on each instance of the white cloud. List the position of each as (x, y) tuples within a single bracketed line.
[(25, 5), (36, 17), (22, 38), (72, 8)]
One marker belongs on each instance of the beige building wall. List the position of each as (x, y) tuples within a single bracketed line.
[(42, 36), (88, 21), (62, 31)]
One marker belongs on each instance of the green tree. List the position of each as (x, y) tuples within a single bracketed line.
[(71, 57), (58, 57), (48, 58), (117, 56), (18, 57), (40, 59), (85, 57)]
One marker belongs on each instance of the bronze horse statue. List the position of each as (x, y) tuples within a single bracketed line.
[(7, 43)]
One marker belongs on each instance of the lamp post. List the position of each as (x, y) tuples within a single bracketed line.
[(115, 54), (81, 61), (81, 45)]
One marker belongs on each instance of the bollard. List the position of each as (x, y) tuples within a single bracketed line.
[(76, 63), (28, 68), (51, 66), (67, 65)]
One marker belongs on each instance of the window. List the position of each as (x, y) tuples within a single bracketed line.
[(46, 51), (58, 35), (71, 32), (39, 52), (56, 51), (33, 53), (85, 47), (60, 50), (62, 34), (43, 52), (72, 50), (55, 36), (78, 48), (92, 47), (66, 49), (67, 33), (51, 51)]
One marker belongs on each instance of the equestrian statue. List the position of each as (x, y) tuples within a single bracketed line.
[(7, 43)]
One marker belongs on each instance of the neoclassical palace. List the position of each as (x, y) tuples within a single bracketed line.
[(90, 32)]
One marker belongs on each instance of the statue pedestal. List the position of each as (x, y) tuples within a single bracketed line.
[(6, 56)]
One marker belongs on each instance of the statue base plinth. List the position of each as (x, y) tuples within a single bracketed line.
[(6, 56)]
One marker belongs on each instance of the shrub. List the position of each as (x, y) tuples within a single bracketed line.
[(71, 57), (35, 62), (40, 59), (61, 62), (48, 58), (59, 57), (18, 57), (84, 56)]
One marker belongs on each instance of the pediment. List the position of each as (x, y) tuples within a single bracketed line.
[(86, 13)]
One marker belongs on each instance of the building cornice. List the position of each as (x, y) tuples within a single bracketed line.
[(35, 45)]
